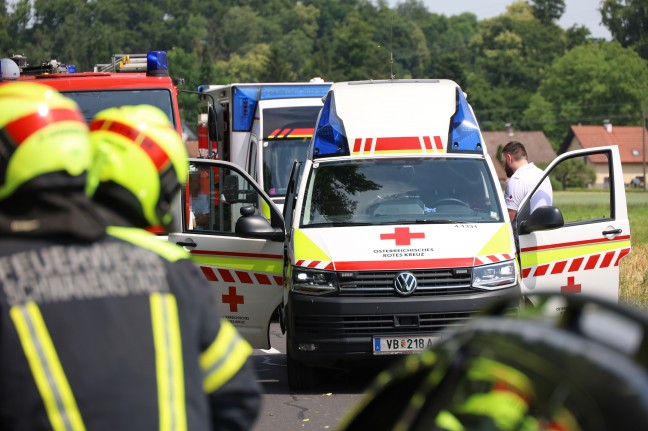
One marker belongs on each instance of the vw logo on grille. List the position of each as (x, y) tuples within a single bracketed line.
[(405, 283)]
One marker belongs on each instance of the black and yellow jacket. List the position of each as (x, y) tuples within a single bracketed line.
[(119, 332)]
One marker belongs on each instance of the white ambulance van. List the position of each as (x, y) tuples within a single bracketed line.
[(394, 229)]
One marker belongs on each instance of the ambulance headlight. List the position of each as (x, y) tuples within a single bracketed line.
[(495, 276), (313, 281)]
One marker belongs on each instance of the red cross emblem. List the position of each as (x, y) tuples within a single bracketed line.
[(571, 286), (402, 235), (233, 299)]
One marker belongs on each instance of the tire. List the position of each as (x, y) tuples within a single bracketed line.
[(300, 375)]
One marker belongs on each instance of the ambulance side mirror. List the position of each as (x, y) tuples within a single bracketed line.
[(543, 218), (252, 225)]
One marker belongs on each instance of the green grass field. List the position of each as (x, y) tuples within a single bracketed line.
[(580, 205)]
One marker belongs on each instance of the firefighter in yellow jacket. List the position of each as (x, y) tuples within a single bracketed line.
[(101, 327)]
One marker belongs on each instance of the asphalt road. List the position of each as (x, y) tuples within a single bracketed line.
[(318, 409)]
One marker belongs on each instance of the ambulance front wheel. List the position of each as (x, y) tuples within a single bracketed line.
[(300, 375)]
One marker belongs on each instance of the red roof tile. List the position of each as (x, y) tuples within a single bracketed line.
[(628, 139)]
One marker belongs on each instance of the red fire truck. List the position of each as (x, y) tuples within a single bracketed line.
[(129, 79)]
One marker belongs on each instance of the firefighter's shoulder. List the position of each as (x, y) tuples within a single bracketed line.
[(149, 241)]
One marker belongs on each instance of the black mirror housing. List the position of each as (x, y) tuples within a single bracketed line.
[(251, 225), (543, 218)]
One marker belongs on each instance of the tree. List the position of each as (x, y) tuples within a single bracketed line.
[(512, 53), (574, 173), (357, 54), (577, 35), (627, 20), (590, 83), (548, 11)]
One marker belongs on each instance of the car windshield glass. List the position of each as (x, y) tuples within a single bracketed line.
[(92, 102), (400, 190), (278, 157)]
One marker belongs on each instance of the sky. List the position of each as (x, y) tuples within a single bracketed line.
[(582, 12)]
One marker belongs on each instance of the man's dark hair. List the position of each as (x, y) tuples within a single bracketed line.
[(516, 149)]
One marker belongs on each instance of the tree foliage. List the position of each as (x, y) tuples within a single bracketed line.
[(518, 67), (548, 11), (573, 173), (587, 85), (627, 20)]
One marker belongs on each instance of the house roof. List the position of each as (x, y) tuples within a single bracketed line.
[(538, 148), (627, 138)]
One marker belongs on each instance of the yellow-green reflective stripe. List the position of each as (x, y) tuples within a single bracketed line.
[(547, 256), (499, 243), (168, 362), (273, 266), (224, 357), (46, 368), (306, 249)]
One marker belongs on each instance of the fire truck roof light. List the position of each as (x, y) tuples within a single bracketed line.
[(329, 138), (464, 134), (156, 63), (71, 68)]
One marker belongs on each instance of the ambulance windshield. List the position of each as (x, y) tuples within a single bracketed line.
[(92, 102), (401, 190)]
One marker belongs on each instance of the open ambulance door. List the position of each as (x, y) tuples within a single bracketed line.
[(235, 235), (575, 246)]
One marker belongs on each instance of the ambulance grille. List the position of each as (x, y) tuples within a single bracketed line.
[(332, 326), (431, 282)]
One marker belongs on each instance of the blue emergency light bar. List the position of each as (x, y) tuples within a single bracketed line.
[(464, 134), (246, 97), (269, 92), (244, 101), (156, 63), (329, 138)]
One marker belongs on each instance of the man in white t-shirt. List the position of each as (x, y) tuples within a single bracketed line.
[(523, 176)]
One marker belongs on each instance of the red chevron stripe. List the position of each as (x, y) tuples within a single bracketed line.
[(262, 278), (559, 267), (607, 259), (244, 277), (592, 261), (226, 275), (209, 273), (540, 270), (622, 254)]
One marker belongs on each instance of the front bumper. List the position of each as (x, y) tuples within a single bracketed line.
[(343, 327)]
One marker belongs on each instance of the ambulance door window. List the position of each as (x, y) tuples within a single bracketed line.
[(201, 197), (583, 191), (215, 198)]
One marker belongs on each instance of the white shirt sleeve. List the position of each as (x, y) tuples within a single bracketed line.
[(515, 192)]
